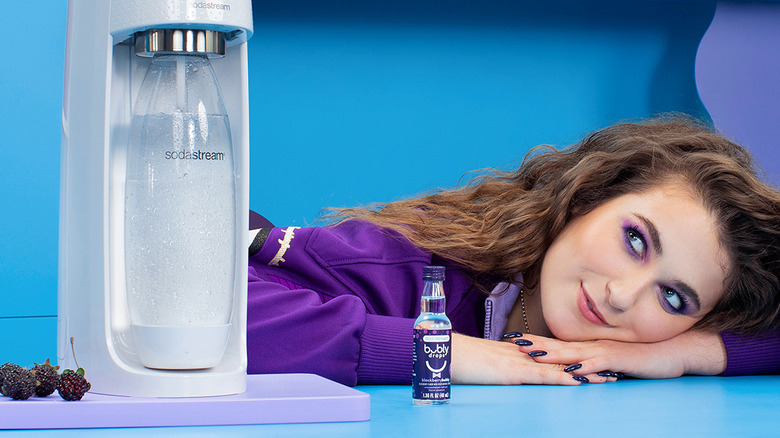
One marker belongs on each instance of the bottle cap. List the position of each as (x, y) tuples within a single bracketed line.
[(433, 273)]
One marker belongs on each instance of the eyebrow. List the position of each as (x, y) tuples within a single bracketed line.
[(655, 241)]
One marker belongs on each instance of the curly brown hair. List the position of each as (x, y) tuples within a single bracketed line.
[(502, 223)]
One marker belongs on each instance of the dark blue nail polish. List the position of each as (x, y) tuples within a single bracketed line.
[(620, 375), (537, 353), (572, 367), (523, 342), (512, 335), (607, 374), (582, 379)]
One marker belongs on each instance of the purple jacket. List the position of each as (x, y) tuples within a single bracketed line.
[(341, 302)]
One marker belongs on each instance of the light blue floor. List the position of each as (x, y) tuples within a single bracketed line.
[(686, 407)]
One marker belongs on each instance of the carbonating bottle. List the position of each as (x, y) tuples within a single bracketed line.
[(180, 216)]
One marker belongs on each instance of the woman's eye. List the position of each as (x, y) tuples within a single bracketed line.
[(636, 242), (673, 299)]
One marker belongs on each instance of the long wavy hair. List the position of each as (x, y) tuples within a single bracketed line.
[(502, 223)]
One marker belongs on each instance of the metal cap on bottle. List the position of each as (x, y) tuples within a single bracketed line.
[(180, 42), (433, 273)]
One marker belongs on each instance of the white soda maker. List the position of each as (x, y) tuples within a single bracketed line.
[(154, 196)]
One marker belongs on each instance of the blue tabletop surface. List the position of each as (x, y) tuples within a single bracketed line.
[(686, 407)]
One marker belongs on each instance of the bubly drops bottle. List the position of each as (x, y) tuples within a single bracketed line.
[(432, 343)]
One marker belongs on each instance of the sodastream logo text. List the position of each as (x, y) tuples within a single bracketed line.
[(194, 155), (211, 5)]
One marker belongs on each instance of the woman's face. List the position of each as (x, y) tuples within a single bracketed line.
[(642, 267)]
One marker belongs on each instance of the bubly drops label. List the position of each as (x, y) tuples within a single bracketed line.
[(432, 358)]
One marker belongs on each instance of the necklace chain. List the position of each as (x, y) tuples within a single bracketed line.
[(522, 307)]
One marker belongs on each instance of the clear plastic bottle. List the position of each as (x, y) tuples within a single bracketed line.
[(432, 343), (180, 216)]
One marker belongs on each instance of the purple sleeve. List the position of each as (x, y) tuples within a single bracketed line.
[(749, 355), (386, 351), (335, 306), (291, 330)]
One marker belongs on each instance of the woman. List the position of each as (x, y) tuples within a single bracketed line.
[(637, 235)]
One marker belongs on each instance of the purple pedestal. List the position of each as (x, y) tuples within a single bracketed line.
[(269, 399)]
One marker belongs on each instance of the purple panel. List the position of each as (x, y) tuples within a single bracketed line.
[(257, 220), (269, 399), (738, 78)]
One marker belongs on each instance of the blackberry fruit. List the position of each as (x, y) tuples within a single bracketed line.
[(18, 383), (6, 367), (73, 385), (46, 378)]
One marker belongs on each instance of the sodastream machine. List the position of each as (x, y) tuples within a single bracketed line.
[(154, 196)]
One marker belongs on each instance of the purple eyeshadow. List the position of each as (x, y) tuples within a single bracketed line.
[(628, 228)]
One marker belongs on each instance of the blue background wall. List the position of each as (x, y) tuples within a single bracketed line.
[(354, 102), (358, 101)]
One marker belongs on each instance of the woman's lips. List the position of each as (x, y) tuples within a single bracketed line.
[(588, 309)]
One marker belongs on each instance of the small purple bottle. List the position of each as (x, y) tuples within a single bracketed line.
[(432, 343)]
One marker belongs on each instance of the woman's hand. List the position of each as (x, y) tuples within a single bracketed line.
[(692, 352), (480, 361)]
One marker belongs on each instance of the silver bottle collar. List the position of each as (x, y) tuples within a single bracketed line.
[(180, 42)]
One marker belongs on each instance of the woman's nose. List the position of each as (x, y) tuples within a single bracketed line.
[(623, 293)]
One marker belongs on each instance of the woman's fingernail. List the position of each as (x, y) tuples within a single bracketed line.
[(620, 375), (523, 342), (582, 379), (537, 353), (572, 367), (512, 335), (607, 374)]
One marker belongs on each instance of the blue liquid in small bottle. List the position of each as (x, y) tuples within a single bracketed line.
[(432, 343)]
